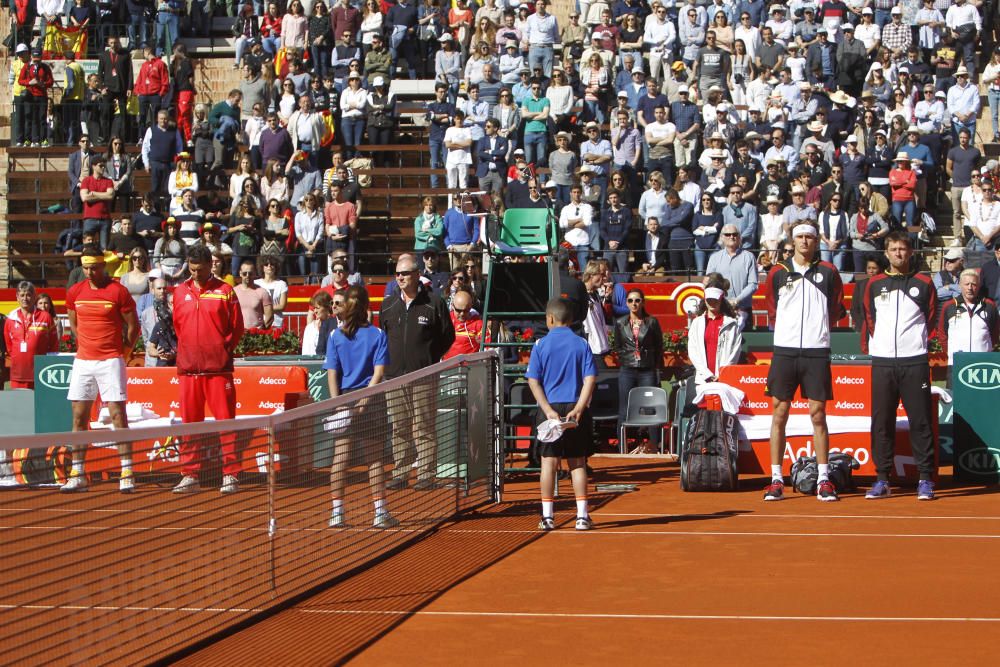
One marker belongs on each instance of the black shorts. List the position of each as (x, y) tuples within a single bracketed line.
[(811, 374), (574, 442)]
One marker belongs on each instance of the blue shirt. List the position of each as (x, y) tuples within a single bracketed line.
[(355, 360), (459, 228), (560, 361), (684, 115)]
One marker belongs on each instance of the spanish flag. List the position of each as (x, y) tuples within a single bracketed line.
[(59, 40), (328, 128)]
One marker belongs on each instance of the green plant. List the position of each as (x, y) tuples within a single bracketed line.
[(676, 341), (268, 341)]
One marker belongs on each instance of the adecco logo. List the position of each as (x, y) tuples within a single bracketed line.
[(847, 380), (755, 405), (272, 381), (980, 461), (847, 405), (752, 379), (983, 376), (56, 376)]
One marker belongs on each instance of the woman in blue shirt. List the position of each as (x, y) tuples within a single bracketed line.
[(356, 356)]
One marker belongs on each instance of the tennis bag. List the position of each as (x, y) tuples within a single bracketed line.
[(708, 456), (41, 467), (805, 473)]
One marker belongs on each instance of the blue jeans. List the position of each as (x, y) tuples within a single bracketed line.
[(241, 47), (582, 255), (438, 154), (970, 125), (595, 111), (701, 260), (166, 32), (617, 259), (102, 227), (321, 59), (907, 208), (836, 257), (535, 144), (562, 193), (309, 264), (136, 31), (271, 45), (882, 18), (993, 96), (352, 128), (540, 56)]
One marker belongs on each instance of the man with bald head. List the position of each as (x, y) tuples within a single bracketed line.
[(468, 325), (419, 330)]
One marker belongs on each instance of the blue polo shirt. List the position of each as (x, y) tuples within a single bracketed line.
[(531, 104), (560, 361), (355, 360)]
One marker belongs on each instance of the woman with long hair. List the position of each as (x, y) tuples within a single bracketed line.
[(270, 29), (706, 225), (595, 78), (486, 31), (688, 190), (136, 279), (119, 169), (170, 253), (288, 101), (244, 170), (561, 99), (631, 39), (320, 38), (356, 356), (723, 31), (899, 107), (274, 229), (834, 235), (741, 73), (372, 23), (294, 26), (991, 79), (460, 20), (182, 74), (428, 228), (274, 183), (353, 101), (878, 85), (868, 123), (269, 268), (309, 231), (182, 178), (716, 319), (508, 115), (321, 309), (244, 232), (639, 346), (653, 201)]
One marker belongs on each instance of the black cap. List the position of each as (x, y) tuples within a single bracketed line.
[(36, 52)]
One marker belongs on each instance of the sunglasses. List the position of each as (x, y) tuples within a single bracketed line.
[(730, 234), (405, 273), (338, 304), (787, 251), (633, 300), (339, 269)]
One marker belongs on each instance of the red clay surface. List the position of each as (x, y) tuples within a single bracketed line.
[(667, 577)]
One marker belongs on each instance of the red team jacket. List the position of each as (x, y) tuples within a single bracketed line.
[(25, 338), (209, 325)]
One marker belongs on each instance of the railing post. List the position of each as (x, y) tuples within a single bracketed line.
[(272, 515)]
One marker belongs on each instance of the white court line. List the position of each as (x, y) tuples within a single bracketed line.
[(668, 617), (523, 614), (473, 531)]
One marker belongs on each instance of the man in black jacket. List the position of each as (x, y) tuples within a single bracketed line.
[(114, 66), (420, 331)]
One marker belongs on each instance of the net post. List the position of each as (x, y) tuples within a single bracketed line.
[(272, 515)]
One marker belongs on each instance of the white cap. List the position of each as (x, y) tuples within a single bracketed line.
[(867, 10), (21, 48), (851, 139), (896, 10), (804, 230), (847, 26), (154, 274), (378, 81), (713, 293), (622, 93), (683, 88)]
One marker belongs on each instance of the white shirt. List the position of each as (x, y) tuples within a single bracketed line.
[(659, 36), (771, 227), (457, 156), (985, 217), (596, 328), (584, 212), (959, 15), (868, 34)]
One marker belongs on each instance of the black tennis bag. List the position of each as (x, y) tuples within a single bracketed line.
[(805, 473), (708, 457)]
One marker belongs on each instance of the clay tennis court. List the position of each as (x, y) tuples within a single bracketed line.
[(666, 577)]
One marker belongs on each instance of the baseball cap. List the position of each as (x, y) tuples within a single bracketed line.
[(953, 254), (21, 48), (847, 27), (896, 10), (682, 88)]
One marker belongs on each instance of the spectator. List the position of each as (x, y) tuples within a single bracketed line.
[(833, 232), (714, 336), (170, 253), (868, 225), (276, 288), (638, 343), (309, 232), (576, 219), (946, 281), (676, 224), (458, 140), (352, 106), (535, 109), (903, 181), (224, 119), (962, 162), (461, 232), (381, 118), (160, 146), (616, 223), (412, 408), (706, 223), (28, 331), (97, 191), (36, 79), (255, 301), (428, 228), (963, 103), (743, 216), (737, 265)]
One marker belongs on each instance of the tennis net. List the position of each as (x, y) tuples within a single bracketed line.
[(102, 577)]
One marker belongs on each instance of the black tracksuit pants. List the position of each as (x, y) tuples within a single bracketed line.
[(912, 384)]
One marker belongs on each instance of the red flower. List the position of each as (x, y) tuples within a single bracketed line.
[(675, 338), (529, 334)]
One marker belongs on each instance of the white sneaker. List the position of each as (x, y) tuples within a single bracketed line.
[(584, 523), (385, 520), (188, 484), (337, 520), (126, 483), (955, 243), (75, 484), (229, 484)]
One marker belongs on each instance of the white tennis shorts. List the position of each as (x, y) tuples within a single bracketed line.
[(92, 378)]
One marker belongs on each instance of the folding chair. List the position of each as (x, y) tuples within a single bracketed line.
[(647, 406)]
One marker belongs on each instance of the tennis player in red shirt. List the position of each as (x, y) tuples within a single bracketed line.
[(28, 331), (101, 316), (209, 324)]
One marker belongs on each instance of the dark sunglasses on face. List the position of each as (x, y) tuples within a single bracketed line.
[(633, 300)]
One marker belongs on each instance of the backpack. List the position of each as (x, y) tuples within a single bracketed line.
[(708, 456), (805, 473)]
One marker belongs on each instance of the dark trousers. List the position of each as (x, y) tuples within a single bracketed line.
[(149, 105), (380, 136), (34, 111), (891, 383), (20, 123), (158, 174), (71, 120)]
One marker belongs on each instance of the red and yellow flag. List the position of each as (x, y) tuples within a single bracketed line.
[(59, 39)]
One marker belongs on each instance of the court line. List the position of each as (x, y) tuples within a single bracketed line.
[(520, 614), (668, 617), (486, 531)]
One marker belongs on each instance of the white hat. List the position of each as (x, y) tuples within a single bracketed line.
[(722, 107), (772, 200), (752, 134), (804, 85), (961, 71), (519, 151), (953, 254), (815, 126), (851, 139), (378, 81), (586, 169), (715, 89), (549, 184), (511, 44), (867, 10), (714, 293), (804, 230), (717, 154), (896, 10), (940, 93), (592, 125), (683, 89), (446, 37), (154, 274), (638, 70), (622, 93), (847, 27), (21, 48), (902, 156), (876, 65)]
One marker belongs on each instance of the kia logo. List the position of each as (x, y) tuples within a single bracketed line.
[(980, 461), (56, 376), (983, 376)]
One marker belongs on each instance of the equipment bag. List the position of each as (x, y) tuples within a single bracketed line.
[(41, 467), (805, 473), (708, 457)]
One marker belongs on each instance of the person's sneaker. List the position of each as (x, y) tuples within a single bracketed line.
[(45, 144), (827, 492), (880, 489), (229, 484), (426, 485), (126, 483), (75, 484), (337, 520), (397, 484), (188, 484), (956, 243), (925, 490), (584, 523), (547, 523), (385, 520), (775, 490)]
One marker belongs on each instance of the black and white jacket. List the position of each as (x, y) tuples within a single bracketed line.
[(969, 327), (900, 311), (804, 307)]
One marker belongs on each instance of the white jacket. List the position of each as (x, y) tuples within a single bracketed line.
[(728, 351)]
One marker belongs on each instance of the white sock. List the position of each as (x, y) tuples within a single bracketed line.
[(380, 506), (547, 508), (824, 472), (776, 475), (581, 508), (338, 506), (77, 468), (126, 464)]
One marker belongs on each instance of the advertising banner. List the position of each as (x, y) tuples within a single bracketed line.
[(976, 433)]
